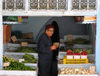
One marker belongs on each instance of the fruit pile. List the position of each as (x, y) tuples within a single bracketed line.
[(81, 41), (25, 50), (75, 53), (78, 50), (84, 53), (69, 52), (89, 51), (29, 58), (18, 66)]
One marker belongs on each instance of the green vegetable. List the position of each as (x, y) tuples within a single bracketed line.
[(26, 50), (29, 58), (6, 59), (81, 41), (78, 50), (89, 51), (18, 66)]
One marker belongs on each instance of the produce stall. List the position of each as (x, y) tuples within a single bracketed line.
[(77, 52), (75, 62)]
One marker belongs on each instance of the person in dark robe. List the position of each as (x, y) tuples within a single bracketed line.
[(45, 52), (55, 38)]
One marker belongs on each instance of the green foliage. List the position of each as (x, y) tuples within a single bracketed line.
[(81, 41), (25, 50), (78, 50), (29, 58), (6, 59), (89, 51), (18, 66)]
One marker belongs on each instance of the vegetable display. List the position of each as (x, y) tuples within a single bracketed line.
[(78, 50), (81, 41), (89, 51), (84, 53), (69, 52), (81, 71), (76, 53), (18, 66), (29, 58), (25, 50), (15, 65)]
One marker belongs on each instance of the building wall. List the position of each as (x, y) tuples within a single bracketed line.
[(67, 25), (92, 36), (32, 24)]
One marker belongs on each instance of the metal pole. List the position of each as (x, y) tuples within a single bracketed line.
[(26, 5), (69, 4), (98, 41), (1, 35)]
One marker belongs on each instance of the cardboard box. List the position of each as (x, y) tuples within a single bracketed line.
[(92, 69), (69, 38), (83, 56), (27, 35), (6, 64), (24, 43), (14, 39), (76, 56), (69, 56)]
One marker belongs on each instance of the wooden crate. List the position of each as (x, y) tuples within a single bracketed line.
[(27, 35)]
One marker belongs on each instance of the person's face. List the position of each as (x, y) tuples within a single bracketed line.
[(50, 31)]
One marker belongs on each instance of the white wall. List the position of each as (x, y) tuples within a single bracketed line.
[(34, 25), (67, 25)]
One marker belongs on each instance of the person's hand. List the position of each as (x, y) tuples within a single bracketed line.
[(53, 47)]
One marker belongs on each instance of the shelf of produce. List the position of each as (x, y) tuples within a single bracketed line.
[(18, 55), (17, 73), (77, 36), (61, 54), (12, 46), (74, 61), (82, 46), (7, 22), (70, 70)]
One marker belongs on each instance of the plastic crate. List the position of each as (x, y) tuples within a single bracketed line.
[(76, 56), (83, 56), (69, 56), (74, 61)]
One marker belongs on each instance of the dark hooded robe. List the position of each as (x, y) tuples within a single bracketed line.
[(55, 38), (44, 55)]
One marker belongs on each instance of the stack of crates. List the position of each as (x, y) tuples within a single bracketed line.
[(74, 61)]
